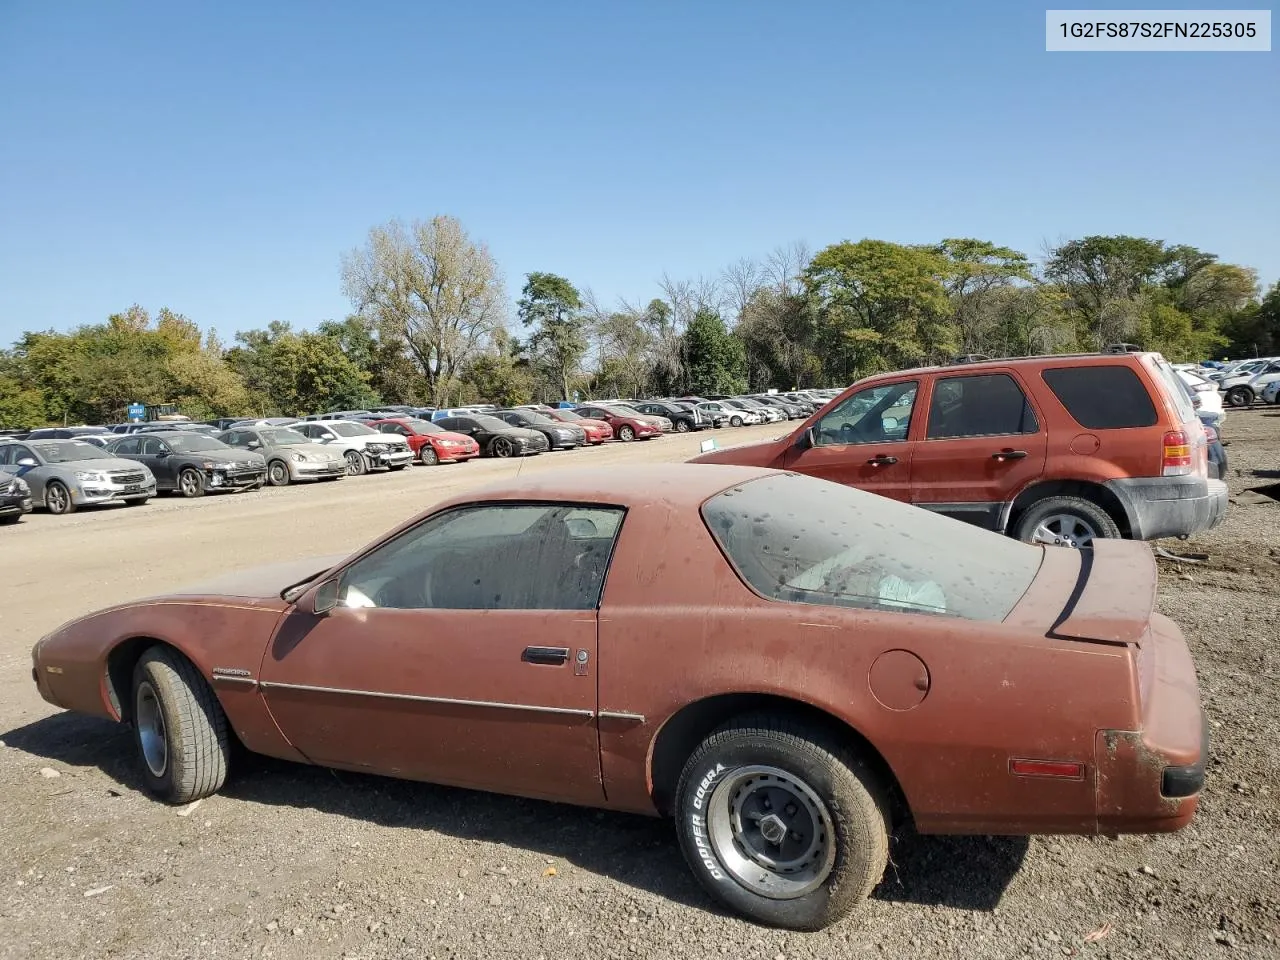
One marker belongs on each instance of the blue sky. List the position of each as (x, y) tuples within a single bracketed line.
[(220, 161)]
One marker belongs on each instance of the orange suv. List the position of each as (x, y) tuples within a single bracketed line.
[(1055, 450)]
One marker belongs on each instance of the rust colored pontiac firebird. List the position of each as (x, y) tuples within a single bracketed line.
[(786, 666)]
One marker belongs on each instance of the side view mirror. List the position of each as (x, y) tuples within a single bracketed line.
[(254, 445), (162, 454), (806, 439), (26, 462), (326, 597)]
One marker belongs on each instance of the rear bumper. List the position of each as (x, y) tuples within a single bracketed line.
[(1171, 506), (1149, 781)]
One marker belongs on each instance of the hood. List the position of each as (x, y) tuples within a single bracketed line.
[(231, 454), (102, 463), (315, 452), (765, 453), (522, 433), (261, 582), (589, 423)]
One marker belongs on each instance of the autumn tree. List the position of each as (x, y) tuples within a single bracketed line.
[(430, 286)]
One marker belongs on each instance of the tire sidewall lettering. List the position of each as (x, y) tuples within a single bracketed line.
[(698, 823)]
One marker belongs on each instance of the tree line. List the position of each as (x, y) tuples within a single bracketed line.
[(431, 325)]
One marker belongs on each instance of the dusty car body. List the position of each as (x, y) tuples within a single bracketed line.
[(686, 641)]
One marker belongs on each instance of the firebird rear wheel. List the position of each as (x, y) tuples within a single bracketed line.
[(179, 728), (781, 823)]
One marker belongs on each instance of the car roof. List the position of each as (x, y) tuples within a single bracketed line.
[(1046, 360), (678, 484)]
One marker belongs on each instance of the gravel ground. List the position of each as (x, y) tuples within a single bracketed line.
[(296, 862)]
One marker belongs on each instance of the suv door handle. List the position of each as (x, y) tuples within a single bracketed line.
[(550, 656), (1009, 455), (882, 461)]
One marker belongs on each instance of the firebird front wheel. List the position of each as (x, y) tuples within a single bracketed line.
[(781, 823), (179, 728)]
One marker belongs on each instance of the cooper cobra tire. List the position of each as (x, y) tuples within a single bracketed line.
[(1062, 521), (832, 815), (178, 727)]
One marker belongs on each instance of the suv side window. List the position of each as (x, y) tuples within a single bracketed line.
[(876, 415), (492, 557), (986, 405), (1102, 396)]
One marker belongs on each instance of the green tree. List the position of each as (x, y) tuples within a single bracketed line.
[(974, 271), (552, 308), (293, 373), (716, 360), (881, 306)]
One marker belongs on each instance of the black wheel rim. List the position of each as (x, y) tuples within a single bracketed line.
[(502, 447)]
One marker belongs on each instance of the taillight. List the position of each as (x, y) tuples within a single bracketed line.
[(1177, 454)]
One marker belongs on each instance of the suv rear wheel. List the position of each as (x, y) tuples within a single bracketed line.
[(1065, 522)]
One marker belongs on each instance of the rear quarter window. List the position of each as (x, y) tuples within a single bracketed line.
[(798, 539), (1102, 397)]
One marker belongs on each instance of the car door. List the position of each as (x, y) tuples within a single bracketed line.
[(983, 442), (866, 441), (159, 459), (463, 652)]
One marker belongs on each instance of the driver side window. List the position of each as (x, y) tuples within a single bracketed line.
[(491, 557), (879, 414)]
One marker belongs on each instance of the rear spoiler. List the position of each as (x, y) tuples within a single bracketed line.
[(1116, 594)]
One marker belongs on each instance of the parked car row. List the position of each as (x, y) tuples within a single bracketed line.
[(60, 469), (1242, 382)]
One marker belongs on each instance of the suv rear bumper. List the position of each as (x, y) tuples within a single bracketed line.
[(1170, 506)]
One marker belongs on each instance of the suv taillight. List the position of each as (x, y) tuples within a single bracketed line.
[(1177, 454)]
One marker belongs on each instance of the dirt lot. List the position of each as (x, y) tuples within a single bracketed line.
[(291, 861)]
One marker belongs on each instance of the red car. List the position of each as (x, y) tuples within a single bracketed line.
[(789, 668), (627, 424), (597, 431), (430, 442)]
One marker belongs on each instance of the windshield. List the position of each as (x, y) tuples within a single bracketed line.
[(424, 426), (533, 416), (490, 424), (567, 415), (623, 410), (194, 443), (345, 429), (798, 539), (64, 451), (283, 438)]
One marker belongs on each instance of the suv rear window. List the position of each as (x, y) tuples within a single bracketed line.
[(803, 540), (1180, 395), (1102, 397)]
